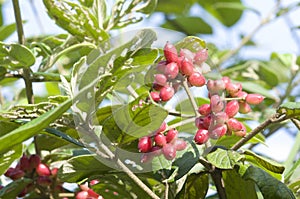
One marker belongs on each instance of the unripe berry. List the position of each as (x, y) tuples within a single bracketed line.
[(216, 103), (82, 195), (34, 161), (155, 96), (43, 170), (169, 151), (171, 70), (160, 139), (244, 107), (254, 99), (166, 93), (145, 144), (217, 131), (160, 79), (187, 67), (197, 79), (162, 127), (233, 89), (186, 53), (44, 181), (201, 136), (161, 66), (235, 125), (204, 109), (201, 56), (170, 53), (232, 108), (180, 144), (171, 135), (92, 193)]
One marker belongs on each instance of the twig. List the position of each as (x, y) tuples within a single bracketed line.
[(178, 114), (167, 189), (274, 119)]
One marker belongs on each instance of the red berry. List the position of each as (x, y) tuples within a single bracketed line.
[(160, 79), (197, 79), (166, 93), (43, 170), (82, 195), (155, 96), (206, 121), (235, 125), (16, 174), (34, 161), (201, 56), (232, 108), (170, 53), (186, 53), (162, 127), (9, 171), (220, 118), (93, 182), (244, 107), (169, 151), (92, 193), (160, 139), (201, 136), (157, 87), (180, 144), (54, 171), (171, 135), (145, 144), (254, 99), (204, 109), (216, 103), (24, 163), (217, 131), (233, 89), (187, 67), (171, 70), (226, 80), (242, 94), (44, 181), (199, 123)]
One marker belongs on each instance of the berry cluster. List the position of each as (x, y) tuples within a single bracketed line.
[(174, 68), (87, 193), (217, 118), (32, 167), (159, 143)]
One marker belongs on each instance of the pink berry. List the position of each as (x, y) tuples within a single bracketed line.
[(254, 99), (226, 80), (170, 53), (171, 135), (235, 125), (43, 170), (207, 121), (54, 171), (201, 136), (145, 144), (186, 53), (204, 109), (201, 56), (82, 195), (93, 182), (242, 94), (233, 89), (217, 131), (199, 122), (160, 139), (166, 93), (244, 107), (162, 127), (169, 151), (215, 86), (180, 144), (171, 70), (187, 67), (156, 86), (232, 108), (220, 118), (160, 79), (216, 103), (155, 96), (197, 79)]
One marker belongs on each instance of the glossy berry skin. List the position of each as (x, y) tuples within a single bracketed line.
[(171, 70), (204, 109), (217, 131), (254, 99), (162, 127), (171, 135), (187, 67), (82, 195), (226, 80), (180, 144), (145, 144), (169, 151), (160, 139), (232, 108), (196, 79), (201, 56), (92, 193), (160, 79), (43, 170), (34, 161), (220, 118), (170, 53), (235, 125), (155, 96), (244, 107), (215, 86), (233, 89), (201, 136), (216, 103), (166, 93)]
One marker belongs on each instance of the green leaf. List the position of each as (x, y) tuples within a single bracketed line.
[(290, 109), (8, 157), (237, 187), (185, 106), (81, 167), (256, 88), (3, 71), (229, 141), (6, 31), (192, 43), (270, 187), (188, 25), (228, 12), (263, 161), (63, 136), (174, 6), (224, 159), (13, 189), (15, 56), (195, 186)]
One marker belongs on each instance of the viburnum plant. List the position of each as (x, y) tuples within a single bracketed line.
[(132, 116)]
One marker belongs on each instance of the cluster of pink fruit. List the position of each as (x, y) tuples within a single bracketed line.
[(32, 167), (174, 68), (217, 118), (88, 193), (159, 143)]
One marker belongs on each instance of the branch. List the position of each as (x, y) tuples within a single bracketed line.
[(274, 119)]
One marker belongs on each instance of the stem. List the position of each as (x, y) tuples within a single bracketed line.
[(166, 190), (178, 114), (275, 118)]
